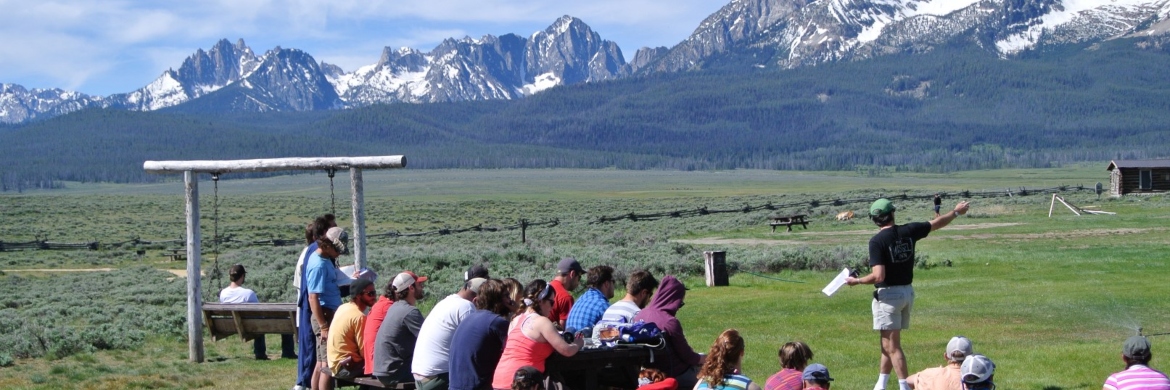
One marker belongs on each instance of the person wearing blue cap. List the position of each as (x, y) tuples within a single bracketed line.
[(816, 377), (891, 260)]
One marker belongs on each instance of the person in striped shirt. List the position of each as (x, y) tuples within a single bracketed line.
[(1137, 375), (640, 287)]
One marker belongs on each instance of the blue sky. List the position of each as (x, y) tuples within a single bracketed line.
[(100, 47)]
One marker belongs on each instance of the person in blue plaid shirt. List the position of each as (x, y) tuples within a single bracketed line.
[(592, 304)]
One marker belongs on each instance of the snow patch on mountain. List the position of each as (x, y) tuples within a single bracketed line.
[(1081, 20), (905, 9), (542, 82)]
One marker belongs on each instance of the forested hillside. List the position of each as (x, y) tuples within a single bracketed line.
[(952, 109)]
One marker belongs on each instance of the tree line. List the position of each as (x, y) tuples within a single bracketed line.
[(957, 108)]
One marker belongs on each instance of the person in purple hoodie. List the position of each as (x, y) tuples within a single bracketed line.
[(680, 361)]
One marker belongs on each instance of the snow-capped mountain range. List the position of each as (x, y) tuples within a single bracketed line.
[(792, 33), (772, 33)]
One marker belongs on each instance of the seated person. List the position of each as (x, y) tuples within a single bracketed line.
[(532, 336), (568, 277), (1138, 374), (527, 378), (978, 373), (794, 357), (594, 301), (640, 287), (236, 293), (680, 361), (476, 271), (946, 377), (394, 345), (375, 317), (480, 339), (344, 345), (651, 379), (433, 347), (816, 377), (721, 370)]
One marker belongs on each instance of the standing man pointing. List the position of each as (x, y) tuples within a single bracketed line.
[(891, 258)]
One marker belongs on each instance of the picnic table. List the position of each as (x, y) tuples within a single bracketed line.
[(368, 382), (788, 221), (176, 254), (590, 369)]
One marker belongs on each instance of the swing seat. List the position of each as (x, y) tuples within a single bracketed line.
[(249, 320)]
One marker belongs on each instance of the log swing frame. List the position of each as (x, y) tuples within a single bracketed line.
[(190, 170)]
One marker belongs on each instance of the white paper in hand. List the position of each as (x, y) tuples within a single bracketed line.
[(836, 283)]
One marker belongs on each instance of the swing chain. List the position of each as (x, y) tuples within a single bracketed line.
[(332, 196), (215, 229)]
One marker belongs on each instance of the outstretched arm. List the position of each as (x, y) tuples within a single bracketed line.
[(945, 219)]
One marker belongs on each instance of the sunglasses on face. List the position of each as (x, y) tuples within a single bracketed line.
[(369, 293)]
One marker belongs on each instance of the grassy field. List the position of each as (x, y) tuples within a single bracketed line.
[(1049, 299)]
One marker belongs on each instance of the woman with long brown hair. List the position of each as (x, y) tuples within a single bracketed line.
[(721, 371), (532, 337)]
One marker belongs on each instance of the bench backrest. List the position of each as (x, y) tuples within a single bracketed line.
[(249, 320)]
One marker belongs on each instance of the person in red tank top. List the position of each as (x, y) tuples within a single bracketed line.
[(532, 336)]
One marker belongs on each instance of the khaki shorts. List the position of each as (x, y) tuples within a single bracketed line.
[(322, 347), (891, 307)]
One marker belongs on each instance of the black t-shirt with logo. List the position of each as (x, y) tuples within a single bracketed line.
[(894, 248)]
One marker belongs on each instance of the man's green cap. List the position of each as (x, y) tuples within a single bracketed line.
[(881, 206)]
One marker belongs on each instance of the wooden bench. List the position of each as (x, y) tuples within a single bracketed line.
[(249, 320), (368, 382), (788, 221), (176, 254)]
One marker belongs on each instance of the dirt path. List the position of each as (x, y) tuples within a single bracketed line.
[(738, 241), (59, 270), (182, 273)]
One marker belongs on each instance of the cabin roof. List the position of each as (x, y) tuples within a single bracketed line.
[(1115, 164)]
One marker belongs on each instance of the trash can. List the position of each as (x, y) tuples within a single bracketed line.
[(715, 263)]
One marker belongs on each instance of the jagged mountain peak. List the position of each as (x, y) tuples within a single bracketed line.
[(743, 34), (790, 33)]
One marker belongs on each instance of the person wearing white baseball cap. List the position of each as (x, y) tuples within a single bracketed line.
[(948, 376), (394, 345), (891, 260), (978, 373)]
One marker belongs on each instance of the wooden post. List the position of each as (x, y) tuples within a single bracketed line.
[(359, 218), (194, 282), (1051, 205), (523, 231)]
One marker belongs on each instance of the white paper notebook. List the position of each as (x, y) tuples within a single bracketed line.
[(836, 283)]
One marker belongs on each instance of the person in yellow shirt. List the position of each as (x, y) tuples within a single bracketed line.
[(345, 332), (946, 377)]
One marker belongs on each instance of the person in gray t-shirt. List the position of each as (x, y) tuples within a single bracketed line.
[(394, 346)]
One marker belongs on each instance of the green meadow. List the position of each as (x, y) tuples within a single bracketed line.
[(1049, 299)]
